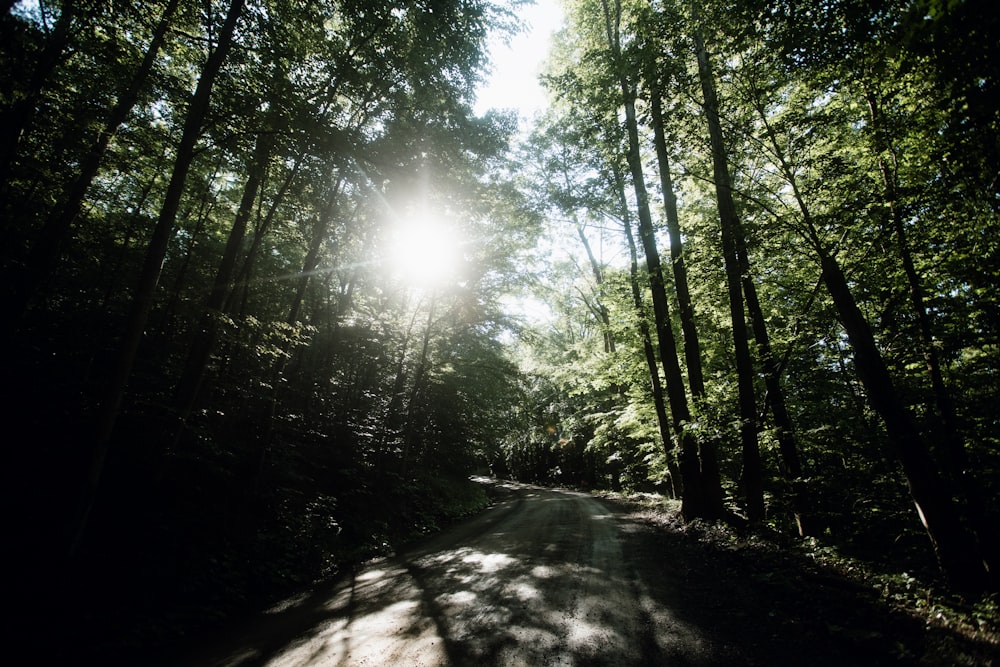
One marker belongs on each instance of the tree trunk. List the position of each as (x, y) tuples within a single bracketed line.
[(246, 270), (656, 387), (957, 554), (953, 445), (391, 418), (142, 300), (315, 245), (753, 483), (775, 398), (785, 431), (692, 348), (206, 204), (419, 382)]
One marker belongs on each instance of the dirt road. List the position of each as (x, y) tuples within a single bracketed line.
[(541, 578), (550, 577)]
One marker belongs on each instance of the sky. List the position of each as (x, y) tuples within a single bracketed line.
[(513, 83)]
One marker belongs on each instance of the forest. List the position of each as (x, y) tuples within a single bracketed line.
[(273, 291)]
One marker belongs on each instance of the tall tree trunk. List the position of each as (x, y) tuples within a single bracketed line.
[(953, 444), (263, 227), (957, 554), (753, 482), (692, 348), (270, 403), (656, 387), (788, 447), (419, 382), (113, 278), (320, 231), (142, 300), (391, 418), (44, 253), (887, 164), (698, 500), (774, 400), (207, 202)]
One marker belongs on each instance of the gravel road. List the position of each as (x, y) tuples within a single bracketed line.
[(543, 577)]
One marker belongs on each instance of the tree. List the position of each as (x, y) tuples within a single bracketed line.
[(44, 252), (737, 269), (654, 71), (55, 47), (142, 300), (849, 58)]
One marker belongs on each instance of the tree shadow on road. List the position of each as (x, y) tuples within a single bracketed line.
[(559, 578)]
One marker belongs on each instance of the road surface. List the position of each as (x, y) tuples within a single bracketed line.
[(558, 578), (543, 577)]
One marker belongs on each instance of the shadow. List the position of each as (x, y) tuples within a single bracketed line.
[(551, 577)]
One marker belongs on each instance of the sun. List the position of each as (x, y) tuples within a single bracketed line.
[(424, 251)]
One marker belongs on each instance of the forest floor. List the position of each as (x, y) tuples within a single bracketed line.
[(555, 577)]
